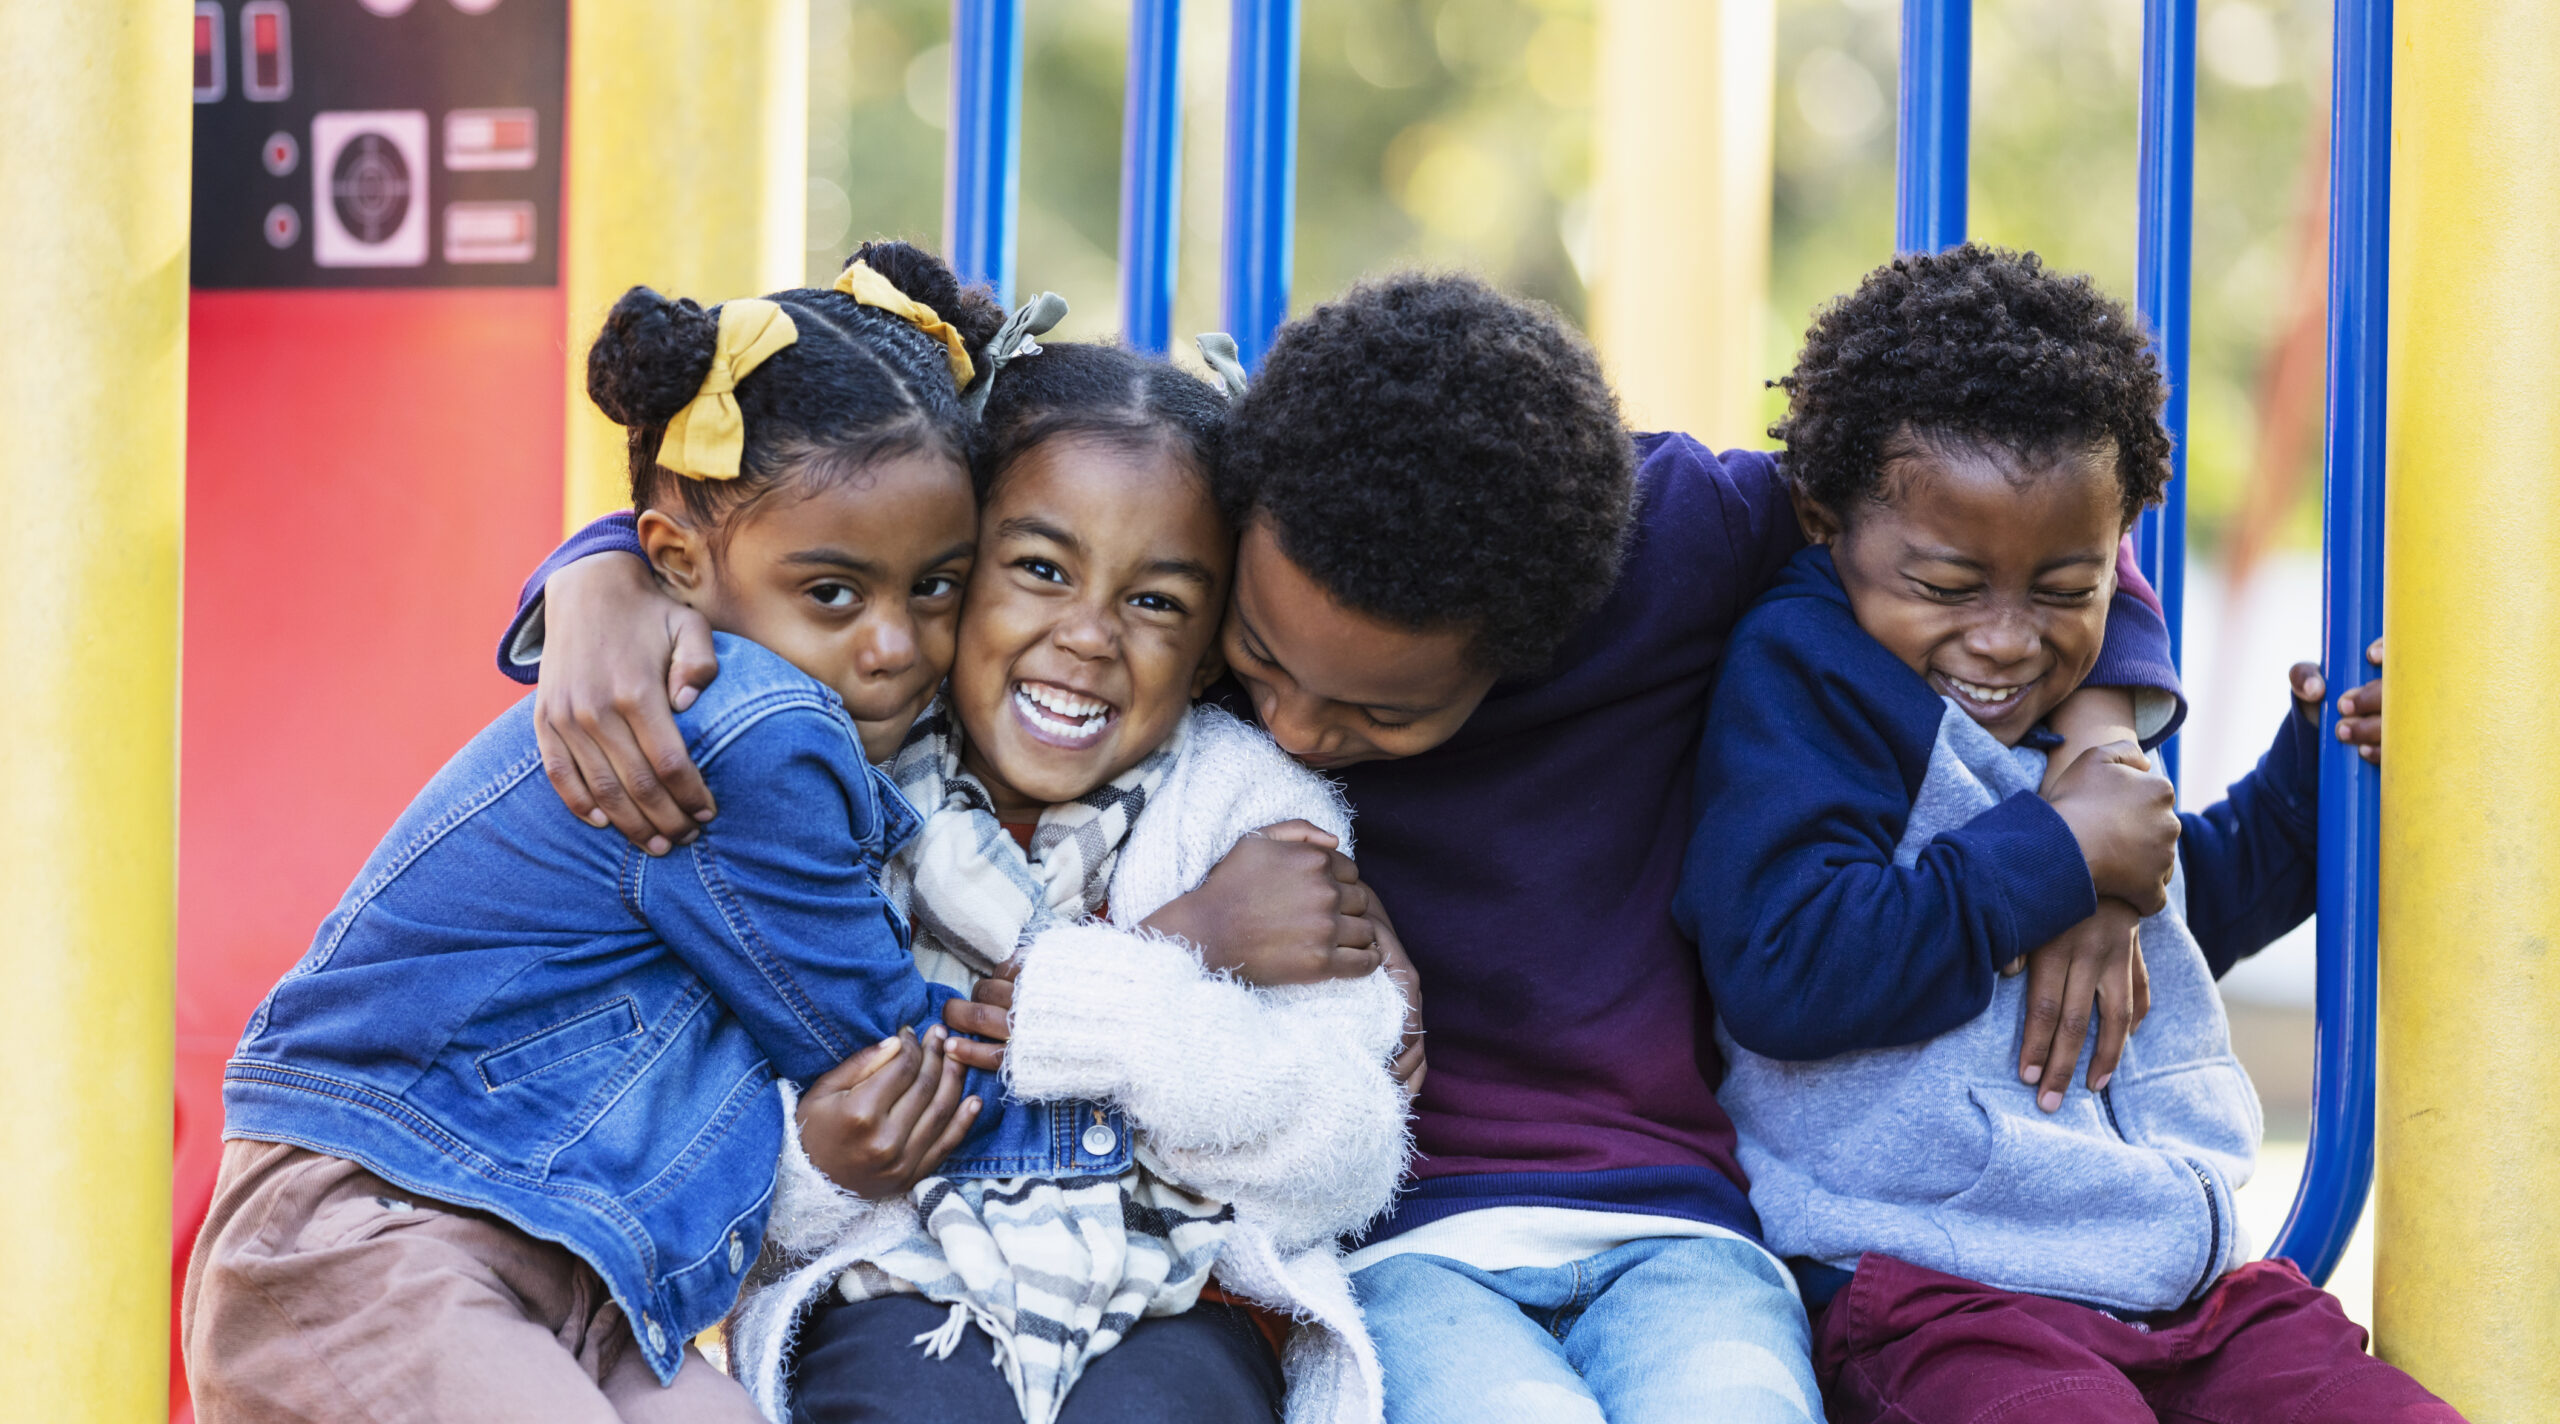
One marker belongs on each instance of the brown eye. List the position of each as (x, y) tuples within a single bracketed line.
[(834, 595)]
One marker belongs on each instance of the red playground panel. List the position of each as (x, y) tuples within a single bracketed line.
[(370, 474)]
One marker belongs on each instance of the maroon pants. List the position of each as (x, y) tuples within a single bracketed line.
[(1902, 1344)]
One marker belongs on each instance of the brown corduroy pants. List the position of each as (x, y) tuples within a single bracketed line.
[(318, 1291)]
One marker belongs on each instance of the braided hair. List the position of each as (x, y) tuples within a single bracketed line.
[(1103, 393), (859, 385)]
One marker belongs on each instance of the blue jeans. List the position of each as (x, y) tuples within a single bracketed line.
[(1663, 1329)]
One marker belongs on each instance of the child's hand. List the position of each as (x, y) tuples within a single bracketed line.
[(1284, 907), (1410, 1066), (2096, 962), (880, 1121), (2359, 711), (2126, 821), (987, 1013), (619, 660)]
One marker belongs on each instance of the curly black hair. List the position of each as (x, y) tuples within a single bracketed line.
[(1103, 392), (1975, 344), (859, 383), (1438, 455)]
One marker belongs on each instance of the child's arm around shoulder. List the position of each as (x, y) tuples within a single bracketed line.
[(1814, 942), (778, 905)]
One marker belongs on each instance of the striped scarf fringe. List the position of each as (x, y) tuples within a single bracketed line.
[(1055, 1270)]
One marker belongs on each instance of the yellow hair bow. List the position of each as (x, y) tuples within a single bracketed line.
[(871, 289), (708, 438)]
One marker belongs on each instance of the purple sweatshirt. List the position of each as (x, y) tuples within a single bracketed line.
[(1531, 859)]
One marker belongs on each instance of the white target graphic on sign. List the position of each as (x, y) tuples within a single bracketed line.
[(369, 188)]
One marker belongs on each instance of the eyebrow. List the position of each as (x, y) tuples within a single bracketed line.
[(1961, 561), (832, 558), (1191, 569), (1038, 528)]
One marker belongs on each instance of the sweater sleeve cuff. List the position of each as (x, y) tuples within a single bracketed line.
[(1088, 1000), (2026, 857), (520, 651), (2136, 658)]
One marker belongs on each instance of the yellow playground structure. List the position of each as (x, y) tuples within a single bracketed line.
[(2439, 1052)]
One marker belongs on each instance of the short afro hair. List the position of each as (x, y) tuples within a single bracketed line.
[(1973, 344), (1438, 455)]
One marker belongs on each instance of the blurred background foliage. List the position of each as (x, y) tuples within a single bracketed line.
[(1458, 133)]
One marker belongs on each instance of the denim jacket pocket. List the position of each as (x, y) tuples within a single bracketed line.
[(561, 1042)]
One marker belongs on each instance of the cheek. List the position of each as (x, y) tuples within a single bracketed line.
[(978, 658), (2077, 636), (1161, 662)]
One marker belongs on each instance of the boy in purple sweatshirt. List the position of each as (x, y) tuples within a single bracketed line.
[(1496, 617)]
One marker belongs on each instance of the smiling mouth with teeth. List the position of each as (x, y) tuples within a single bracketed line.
[(1988, 696), (1067, 715)]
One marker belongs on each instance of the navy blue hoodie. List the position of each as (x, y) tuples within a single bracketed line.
[(1813, 941)]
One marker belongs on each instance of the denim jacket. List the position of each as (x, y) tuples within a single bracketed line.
[(515, 1011)]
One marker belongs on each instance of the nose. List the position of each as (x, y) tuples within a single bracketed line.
[(1087, 632), (886, 643), (2005, 634), (1294, 720)]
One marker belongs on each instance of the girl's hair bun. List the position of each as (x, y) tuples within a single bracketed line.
[(972, 311), (650, 358)]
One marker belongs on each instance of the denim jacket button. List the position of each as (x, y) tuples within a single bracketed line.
[(737, 1254), (657, 1337), (1099, 1139)]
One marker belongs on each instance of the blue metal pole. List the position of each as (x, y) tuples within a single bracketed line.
[(1931, 145), (2339, 1171), (1151, 175), (982, 192), (2163, 284), (1262, 170)]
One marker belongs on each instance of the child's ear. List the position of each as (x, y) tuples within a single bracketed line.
[(676, 553), (1820, 525)]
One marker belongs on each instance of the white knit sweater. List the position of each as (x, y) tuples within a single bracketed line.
[(1280, 1101)]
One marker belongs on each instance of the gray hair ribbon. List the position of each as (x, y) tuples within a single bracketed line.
[(1219, 350), (1012, 341)]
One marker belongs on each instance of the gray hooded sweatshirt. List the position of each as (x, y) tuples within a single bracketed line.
[(1936, 1154)]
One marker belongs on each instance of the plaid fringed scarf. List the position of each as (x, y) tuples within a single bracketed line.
[(1054, 1269)]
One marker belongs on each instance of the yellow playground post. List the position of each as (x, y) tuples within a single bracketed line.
[(2467, 1246), (1681, 220), (94, 135), (688, 172)]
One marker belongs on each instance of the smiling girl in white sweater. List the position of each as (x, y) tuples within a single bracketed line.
[(1168, 1128)]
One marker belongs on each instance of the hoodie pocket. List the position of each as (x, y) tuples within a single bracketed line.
[(2064, 1208), (2205, 1109)]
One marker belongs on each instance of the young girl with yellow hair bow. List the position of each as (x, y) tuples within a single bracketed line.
[(504, 1141)]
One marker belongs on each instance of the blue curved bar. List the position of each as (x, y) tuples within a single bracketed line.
[(1151, 175), (982, 191), (2339, 1173), (1930, 146), (2163, 284), (1262, 170)]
